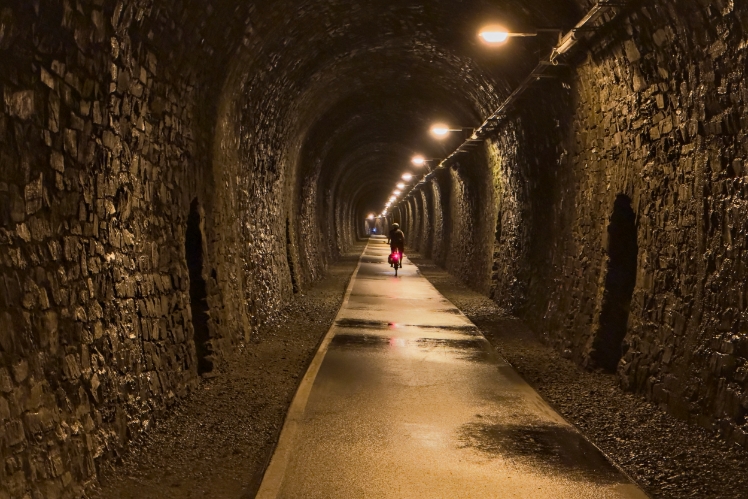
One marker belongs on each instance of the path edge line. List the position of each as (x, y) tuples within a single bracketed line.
[(272, 480)]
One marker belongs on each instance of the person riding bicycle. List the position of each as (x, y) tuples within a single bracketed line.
[(397, 241)]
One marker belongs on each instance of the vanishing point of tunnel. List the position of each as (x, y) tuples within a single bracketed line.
[(196, 198)]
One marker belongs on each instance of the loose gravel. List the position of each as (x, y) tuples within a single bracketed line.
[(666, 456), (217, 443)]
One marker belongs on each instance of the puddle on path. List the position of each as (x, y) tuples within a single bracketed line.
[(470, 349), (557, 449)]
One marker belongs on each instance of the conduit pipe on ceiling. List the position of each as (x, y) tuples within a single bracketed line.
[(565, 44)]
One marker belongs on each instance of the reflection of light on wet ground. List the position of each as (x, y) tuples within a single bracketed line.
[(453, 348), (426, 435), (398, 342), (411, 401)]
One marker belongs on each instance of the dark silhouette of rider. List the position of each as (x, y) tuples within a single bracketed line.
[(396, 239)]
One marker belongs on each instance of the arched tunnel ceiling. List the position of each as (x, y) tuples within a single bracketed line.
[(354, 87)]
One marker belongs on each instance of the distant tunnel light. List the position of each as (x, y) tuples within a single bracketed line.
[(397, 192), (419, 160), (400, 185), (371, 216), (407, 177), (494, 36)]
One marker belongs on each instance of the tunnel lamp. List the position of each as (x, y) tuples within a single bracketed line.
[(440, 131), (371, 216), (400, 185), (397, 192), (407, 177), (418, 160), (495, 35)]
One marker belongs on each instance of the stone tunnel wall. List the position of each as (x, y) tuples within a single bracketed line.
[(96, 182), (110, 127), (657, 113)]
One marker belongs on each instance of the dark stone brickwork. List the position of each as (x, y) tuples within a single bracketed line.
[(660, 118), (656, 114), (101, 154), (114, 117)]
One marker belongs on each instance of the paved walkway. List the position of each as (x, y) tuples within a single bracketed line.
[(406, 399)]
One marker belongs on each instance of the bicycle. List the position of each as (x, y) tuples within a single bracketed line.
[(396, 260)]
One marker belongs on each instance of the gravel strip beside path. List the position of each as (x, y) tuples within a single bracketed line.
[(216, 444), (666, 456)]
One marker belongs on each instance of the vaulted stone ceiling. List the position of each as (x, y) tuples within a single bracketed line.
[(355, 85)]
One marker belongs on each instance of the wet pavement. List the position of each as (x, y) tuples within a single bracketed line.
[(406, 399)]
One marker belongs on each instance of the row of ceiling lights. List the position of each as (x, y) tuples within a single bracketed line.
[(490, 35), (495, 35)]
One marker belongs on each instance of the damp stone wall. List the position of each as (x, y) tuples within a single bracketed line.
[(108, 126), (660, 116), (655, 112)]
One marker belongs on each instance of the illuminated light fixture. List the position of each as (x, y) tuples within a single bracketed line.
[(371, 216), (400, 185), (441, 130), (418, 160), (407, 177), (397, 192), (496, 34)]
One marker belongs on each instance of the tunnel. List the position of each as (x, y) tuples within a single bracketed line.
[(179, 176)]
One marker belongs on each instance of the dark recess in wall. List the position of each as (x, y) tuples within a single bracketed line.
[(198, 292), (289, 254), (619, 285)]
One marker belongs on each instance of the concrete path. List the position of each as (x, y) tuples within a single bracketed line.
[(406, 399)]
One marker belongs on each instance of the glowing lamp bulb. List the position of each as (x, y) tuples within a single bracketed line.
[(397, 192), (407, 177), (440, 130), (419, 161), (490, 36), (400, 185)]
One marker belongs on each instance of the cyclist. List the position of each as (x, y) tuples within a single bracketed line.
[(397, 242)]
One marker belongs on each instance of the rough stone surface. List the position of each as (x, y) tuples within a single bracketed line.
[(655, 111)]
